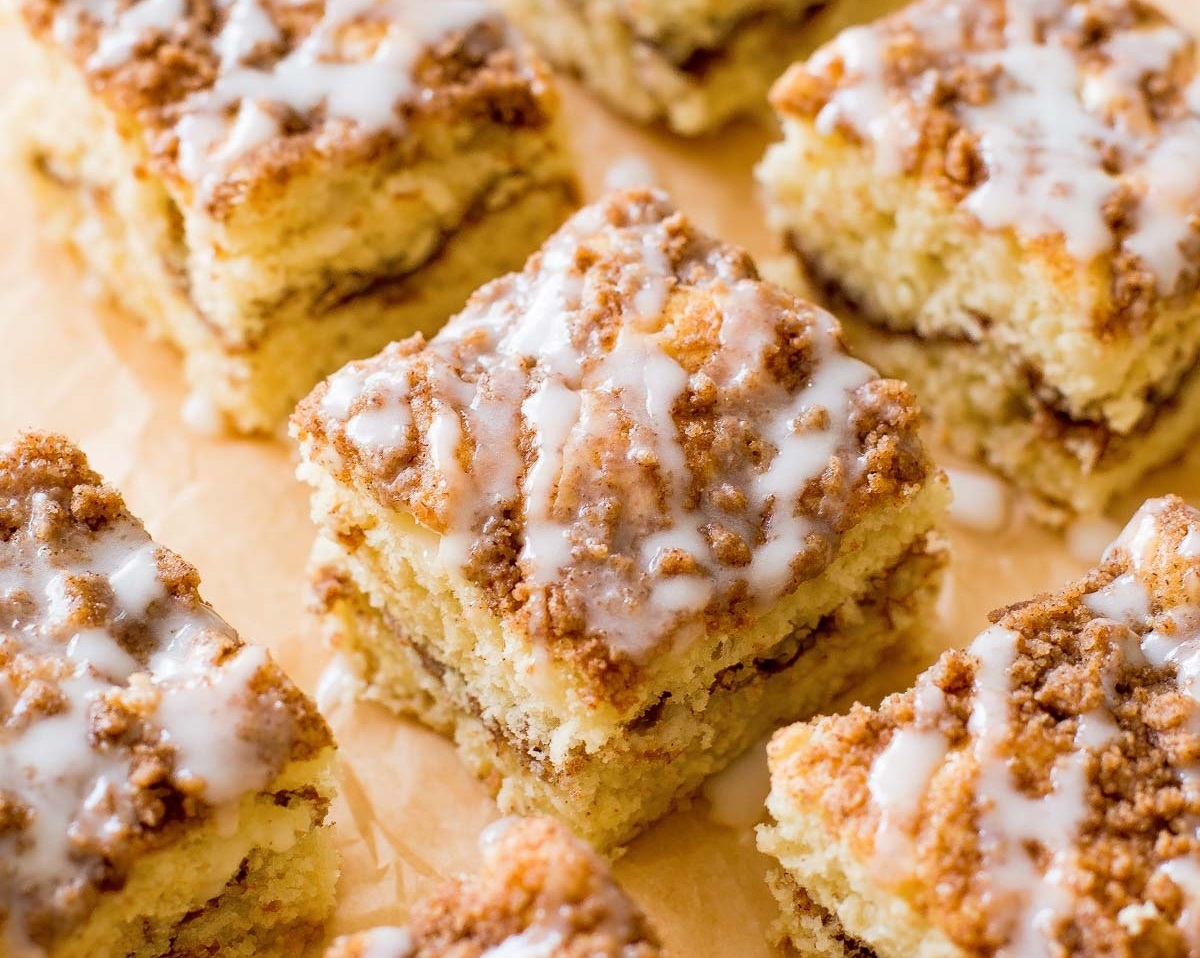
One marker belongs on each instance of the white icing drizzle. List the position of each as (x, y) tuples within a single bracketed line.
[(737, 796), (203, 416), (338, 686), (901, 774), (353, 79), (1031, 900), (531, 380), (1044, 134), (980, 500), (386, 943), (131, 25), (629, 172), (1087, 538), (1185, 873), (533, 943), (48, 764)]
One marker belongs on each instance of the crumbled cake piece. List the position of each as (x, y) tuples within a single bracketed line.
[(540, 892), (1037, 794), (694, 64), (278, 188), (629, 510), (1004, 194), (163, 786)]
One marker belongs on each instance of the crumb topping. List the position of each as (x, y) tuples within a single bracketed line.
[(231, 90), (1071, 119), (631, 442), (540, 892), (1038, 794), (127, 706)]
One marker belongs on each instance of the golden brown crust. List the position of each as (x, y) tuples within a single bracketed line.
[(941, 72), (474, 73), (106, 648), (732, 361), (1077, 661), (538, 885)]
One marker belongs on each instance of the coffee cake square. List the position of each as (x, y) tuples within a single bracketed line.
[(539, 892), (628, 511), (163, 786), (1004, 196), (277, 187), (1037, 794)]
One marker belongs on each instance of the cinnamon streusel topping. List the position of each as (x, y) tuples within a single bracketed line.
[(632, 441), (127, 707), (1039, 793)]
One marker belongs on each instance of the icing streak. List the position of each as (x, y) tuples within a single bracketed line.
[(1060, 133)]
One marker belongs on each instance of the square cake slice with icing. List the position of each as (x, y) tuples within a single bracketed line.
[(692, 64), (1035, 795), (279, 187), (1004, 196), (629, 510), (540, 893), (163, 786)]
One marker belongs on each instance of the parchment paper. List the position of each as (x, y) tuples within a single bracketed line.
[(409, 814)]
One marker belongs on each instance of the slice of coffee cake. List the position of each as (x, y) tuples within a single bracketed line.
[(280, 187), (163, 786), (1003, 195), (1035, 795)]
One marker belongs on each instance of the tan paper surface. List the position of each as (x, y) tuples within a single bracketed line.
[(409, 813)]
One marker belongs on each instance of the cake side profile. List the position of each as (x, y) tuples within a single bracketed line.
[(1036, 794), (163, 786), (279, 188), (693, 64), (1002, 196), (539, 891), (629, 510)]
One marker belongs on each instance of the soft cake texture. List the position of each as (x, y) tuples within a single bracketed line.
[(1003, 195), (1037, 794), (279, 188), (628, 511), (694, 64), (163, 787), (539, 892)]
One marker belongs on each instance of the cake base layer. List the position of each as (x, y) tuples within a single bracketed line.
[(805, 929), (255, 880), (657, 762), (692, 95)]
